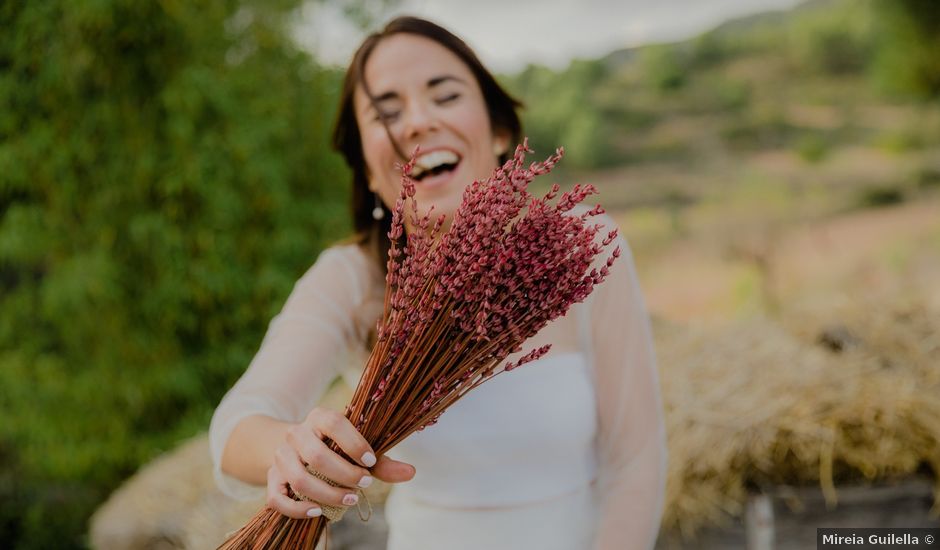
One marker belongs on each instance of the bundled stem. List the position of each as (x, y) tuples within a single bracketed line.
[(457, 304)]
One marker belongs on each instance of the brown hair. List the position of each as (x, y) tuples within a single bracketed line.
[(369, 232)]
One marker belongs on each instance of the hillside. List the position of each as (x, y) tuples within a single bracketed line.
[(727, 142)]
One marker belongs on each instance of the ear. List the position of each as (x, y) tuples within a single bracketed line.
[(500, 142)]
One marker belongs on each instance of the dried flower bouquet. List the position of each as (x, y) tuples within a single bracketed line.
[(457, 304)]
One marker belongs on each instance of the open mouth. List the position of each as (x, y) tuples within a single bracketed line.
[(434, 163)]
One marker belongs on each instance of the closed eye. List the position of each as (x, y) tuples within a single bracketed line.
[(387, 116), (447, 98)]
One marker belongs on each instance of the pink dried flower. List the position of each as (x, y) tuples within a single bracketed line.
[(458, 303)]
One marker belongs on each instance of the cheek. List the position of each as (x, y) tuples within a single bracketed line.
[(477, 127), (476, 121), (377, 152), (383, 177)]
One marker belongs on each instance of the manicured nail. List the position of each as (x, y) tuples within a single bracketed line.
[(368, 459), (365, 482), (314, 513), (350, 499)]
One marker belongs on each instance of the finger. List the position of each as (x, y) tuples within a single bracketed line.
[(288, 462), (332, 424), (393, 471), (278, 499), (319, 457)]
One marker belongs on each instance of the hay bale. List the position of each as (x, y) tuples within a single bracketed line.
[(153, 509), (724, 389), (752, 404), (173, 503)]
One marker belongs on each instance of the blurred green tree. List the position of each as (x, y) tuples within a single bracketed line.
[(831, 38), (909, 55), (666, 67), (560, 110), (164, 179)]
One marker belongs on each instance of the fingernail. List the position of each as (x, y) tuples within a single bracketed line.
[(365, 482), (314, 513), (350, 499), (368, 459)]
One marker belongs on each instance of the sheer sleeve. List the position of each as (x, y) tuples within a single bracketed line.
[(299, 356), (631, 440)]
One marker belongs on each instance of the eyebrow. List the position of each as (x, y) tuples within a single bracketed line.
[(437, 80)]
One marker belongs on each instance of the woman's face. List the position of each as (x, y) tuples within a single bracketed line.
[(429, 98)]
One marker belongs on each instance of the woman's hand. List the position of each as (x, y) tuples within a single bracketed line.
[(304, 446)]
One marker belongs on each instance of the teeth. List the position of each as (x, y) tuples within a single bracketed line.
[(429, 161)]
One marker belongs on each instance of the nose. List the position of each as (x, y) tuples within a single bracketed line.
[(419, 120)]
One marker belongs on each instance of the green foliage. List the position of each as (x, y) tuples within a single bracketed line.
[(884, 195), (751, 81), (366, 15), (561, 110), (908, 61), (758, 129), (164, 179), (927, 178), (733, 96), (902, 140), (665, 67), (812, 148), (710, 49), (832, 39), (581, 141)]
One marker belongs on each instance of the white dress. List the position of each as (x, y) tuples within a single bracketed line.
[(567, 452), (495, 460)]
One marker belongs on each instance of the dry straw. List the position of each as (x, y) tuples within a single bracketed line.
[(844, 398)]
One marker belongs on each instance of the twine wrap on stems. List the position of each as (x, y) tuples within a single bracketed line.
[(335, 513)]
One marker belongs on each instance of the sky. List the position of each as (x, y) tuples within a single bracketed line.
[(509, 34)]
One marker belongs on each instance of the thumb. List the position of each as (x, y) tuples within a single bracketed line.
[(392, 471)]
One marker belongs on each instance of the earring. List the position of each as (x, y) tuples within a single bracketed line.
[(378, 212), (498, 149)]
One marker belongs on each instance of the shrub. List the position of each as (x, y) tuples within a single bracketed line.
[(881, 196), (163, 182)]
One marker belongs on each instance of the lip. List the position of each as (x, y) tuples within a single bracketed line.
[(439, 180)]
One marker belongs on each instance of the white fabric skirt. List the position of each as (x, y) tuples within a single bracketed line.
[(566, 522)]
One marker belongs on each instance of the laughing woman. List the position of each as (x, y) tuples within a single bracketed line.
[(565, 454)]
